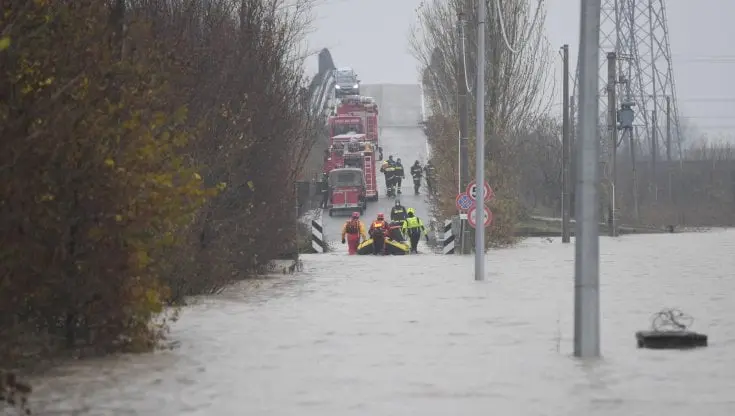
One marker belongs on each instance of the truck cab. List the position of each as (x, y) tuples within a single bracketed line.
[(346, 190), (354, 151)]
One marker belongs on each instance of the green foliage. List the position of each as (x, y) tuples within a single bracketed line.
[(132, 167)]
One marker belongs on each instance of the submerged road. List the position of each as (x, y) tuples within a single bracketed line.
[(416, 335), (399, 109)]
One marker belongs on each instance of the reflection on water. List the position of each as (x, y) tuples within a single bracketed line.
[(417, 335)]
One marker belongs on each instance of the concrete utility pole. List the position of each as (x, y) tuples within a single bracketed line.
[(668, 128), (626, 120), (654, 154), (668, 147), (464, 121), (480, 144), (632, 140), (612, 128), (587, 237), (565, 199), (573, 158)]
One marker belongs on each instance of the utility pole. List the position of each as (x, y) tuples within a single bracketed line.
[(668, 147), (668, 128), (573, 158), (565, 199), (480, 144), (612, 129), (464, 121), (632, 140), (654, 154), (587, 237), (626, 120)]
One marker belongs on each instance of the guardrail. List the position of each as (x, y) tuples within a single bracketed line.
[(322, 86)]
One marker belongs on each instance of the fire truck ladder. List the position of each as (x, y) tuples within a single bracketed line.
[(371, 127), (370, 177)]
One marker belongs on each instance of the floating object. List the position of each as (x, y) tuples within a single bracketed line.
[(392, 247), (668, 331)]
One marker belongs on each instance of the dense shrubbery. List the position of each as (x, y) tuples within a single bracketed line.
[(523, 168), (149, 150)]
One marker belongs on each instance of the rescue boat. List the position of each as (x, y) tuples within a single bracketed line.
[(395, 242), (392, 247)]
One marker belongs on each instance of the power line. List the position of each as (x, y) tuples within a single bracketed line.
[(709, 100), (684, 100), (503, 32), (715, 127), (706, 61), (710, 117)]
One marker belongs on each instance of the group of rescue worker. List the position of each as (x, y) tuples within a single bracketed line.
[(395, 174), (401, 217)]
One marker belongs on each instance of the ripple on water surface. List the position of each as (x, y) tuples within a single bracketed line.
[(417, 335)]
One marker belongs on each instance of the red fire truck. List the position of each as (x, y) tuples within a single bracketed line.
[(355, 114), (351, 171)]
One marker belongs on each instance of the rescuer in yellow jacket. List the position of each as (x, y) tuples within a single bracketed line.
[(414, 227)]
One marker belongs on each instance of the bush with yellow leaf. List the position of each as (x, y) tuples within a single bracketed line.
[(143, 158)]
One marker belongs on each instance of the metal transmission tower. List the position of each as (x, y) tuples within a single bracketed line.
[(637, 31)]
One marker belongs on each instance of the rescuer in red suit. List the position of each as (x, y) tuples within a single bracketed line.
[(353, 230)]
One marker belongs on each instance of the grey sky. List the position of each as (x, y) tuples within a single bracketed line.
[(372, 37)]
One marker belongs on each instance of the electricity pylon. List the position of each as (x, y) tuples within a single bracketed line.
[(637, 31)]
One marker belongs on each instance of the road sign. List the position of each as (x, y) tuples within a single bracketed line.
[(472, 216), (464, 202), (488, 192)]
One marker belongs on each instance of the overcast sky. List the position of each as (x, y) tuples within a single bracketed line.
[(372, 37)]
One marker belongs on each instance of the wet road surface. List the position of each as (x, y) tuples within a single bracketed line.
[(416, 335)]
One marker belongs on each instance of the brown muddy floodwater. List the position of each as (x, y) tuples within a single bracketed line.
[(418, 336)]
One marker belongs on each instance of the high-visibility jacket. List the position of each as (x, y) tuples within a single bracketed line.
[(354, 227), (413, 223)]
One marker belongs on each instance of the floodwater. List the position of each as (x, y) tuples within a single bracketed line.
[(416, 335)]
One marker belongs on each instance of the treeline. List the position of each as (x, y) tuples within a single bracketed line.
[(148, 152), (698, 190)]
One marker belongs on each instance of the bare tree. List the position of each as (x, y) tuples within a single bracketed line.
[(517, 93), (517, 84)]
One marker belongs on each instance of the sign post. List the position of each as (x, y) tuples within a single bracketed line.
[(464, 202)]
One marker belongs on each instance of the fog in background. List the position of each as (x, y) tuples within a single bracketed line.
[(372, 37)]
